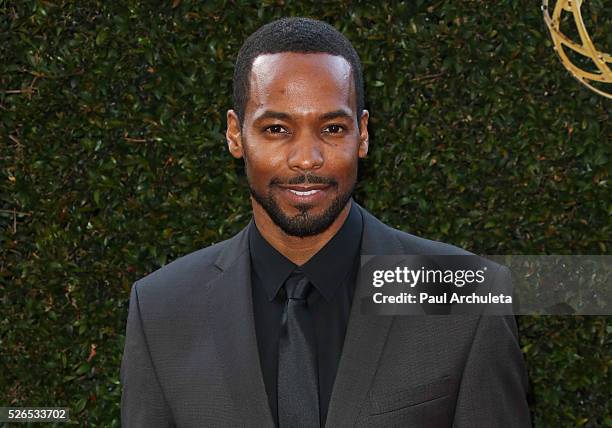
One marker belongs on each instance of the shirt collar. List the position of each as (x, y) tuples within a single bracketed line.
[(327, 269)]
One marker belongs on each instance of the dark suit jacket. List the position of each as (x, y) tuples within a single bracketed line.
[(191, 356)]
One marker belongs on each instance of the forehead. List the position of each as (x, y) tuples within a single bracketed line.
[(300, 83)]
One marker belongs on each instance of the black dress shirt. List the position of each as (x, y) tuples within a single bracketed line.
[(333, 272)]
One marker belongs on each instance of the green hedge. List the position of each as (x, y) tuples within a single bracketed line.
[(113, 163)]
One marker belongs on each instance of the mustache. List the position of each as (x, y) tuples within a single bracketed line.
[(305, 178)]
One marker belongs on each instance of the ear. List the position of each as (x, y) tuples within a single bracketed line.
[(363, 134), (234, 135)]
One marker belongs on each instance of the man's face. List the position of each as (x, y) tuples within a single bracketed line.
[(300, 139)]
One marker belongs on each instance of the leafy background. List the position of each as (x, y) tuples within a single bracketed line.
[(113, 163)]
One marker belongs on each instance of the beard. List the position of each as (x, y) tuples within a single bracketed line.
[(303, 224)]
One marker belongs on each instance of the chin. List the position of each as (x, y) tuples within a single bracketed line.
[(302, 219)]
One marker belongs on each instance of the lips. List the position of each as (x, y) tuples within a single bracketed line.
[(311, 189), (304, 193)]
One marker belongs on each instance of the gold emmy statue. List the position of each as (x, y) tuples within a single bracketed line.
[(585, 48)]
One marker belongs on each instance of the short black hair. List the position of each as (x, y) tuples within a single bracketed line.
[(302, 35)]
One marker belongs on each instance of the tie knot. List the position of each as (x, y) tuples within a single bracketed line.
[(297, 286)]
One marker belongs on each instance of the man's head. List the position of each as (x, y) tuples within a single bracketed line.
[(301, 35), (299, 122)]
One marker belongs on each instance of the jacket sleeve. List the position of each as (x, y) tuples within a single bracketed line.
[(142, 401), (493, 388)]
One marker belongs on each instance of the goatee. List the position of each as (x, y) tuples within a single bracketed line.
[(303, 224)]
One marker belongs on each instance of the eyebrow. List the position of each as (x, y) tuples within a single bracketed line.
[(271, 114), (337, 114)]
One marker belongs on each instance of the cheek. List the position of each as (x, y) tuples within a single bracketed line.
[(343, 163), (260, 158)]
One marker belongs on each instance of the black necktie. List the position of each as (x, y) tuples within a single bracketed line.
[(298, 386)]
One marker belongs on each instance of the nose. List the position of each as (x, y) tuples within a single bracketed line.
[(306, 154)]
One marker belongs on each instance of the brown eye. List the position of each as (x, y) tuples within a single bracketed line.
[(275, 129), (333, 129)]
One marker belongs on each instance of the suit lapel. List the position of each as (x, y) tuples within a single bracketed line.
[(230, 312), (365, 336)]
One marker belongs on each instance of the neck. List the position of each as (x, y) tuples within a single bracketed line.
[(298, 250)]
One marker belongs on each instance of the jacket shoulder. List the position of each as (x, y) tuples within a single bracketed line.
[(412, 244), (421, 245), (407, 243), (193, 270), (380, 237)]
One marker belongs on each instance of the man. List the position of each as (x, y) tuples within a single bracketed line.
[(262, 329)]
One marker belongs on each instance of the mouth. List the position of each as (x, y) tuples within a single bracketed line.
[(305, 190), (302, 194)]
